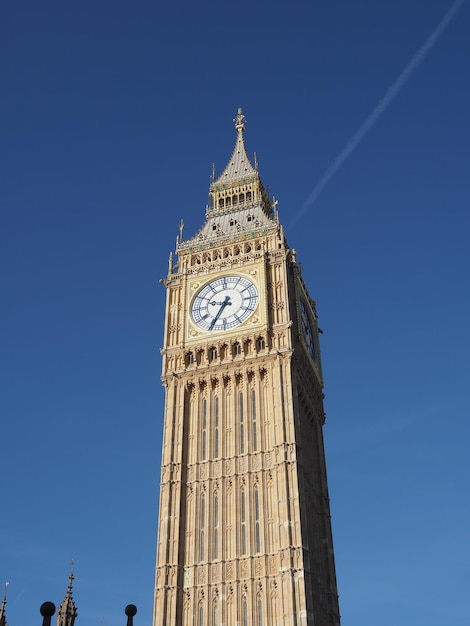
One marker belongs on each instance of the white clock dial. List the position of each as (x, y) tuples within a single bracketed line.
[(224, 303), (307, 330)]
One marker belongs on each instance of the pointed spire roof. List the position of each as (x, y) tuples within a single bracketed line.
[(239, 166), (67, 610), (238, 201), (3, 617)]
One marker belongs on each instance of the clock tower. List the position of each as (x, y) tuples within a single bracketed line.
[(244, 535)]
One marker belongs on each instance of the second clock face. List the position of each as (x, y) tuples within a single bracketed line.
[(307, 330), (224, 303)]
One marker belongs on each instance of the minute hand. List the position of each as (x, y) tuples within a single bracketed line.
[(219, 312)]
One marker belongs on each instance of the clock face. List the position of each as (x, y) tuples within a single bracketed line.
[(307, 329), (224, 303)]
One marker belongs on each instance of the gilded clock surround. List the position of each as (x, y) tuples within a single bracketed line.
[(244, 522)]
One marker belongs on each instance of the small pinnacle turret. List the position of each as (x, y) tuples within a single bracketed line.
[(3, 618), (67, 610)]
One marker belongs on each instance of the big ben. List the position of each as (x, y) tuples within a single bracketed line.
[(244, 536)]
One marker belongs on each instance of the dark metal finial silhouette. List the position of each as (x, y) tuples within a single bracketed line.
[(47, 611), (130, 611)]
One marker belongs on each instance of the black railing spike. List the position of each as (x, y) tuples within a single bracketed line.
[(130, 611), (47, 610)]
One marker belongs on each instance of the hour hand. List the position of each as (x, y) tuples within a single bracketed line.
[(219, 312)]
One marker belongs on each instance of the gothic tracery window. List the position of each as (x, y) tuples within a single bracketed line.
[(216, 527), (257, 522), (202, 535), (241, 418), (254, 421), (243, 523), (216, 428), (204, 430)]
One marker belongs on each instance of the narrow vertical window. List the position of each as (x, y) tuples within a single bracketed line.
[(204, 430), (216, 428), (257, 522), (201, 616), (216, 614), (243, 524), (245, 612), (242, 424), (216, 526), (255, 426), (202, 528), (260, 611)]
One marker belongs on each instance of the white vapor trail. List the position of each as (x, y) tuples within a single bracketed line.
[(392, 91)]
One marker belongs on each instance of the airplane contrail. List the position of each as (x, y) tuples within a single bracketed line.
[(390, 94)]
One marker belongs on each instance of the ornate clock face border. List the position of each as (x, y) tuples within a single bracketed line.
[(224, 303), (229, 303)]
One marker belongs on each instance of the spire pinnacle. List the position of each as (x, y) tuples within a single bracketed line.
[(67, 610), (240, 121), (239, 167), (3, 619)]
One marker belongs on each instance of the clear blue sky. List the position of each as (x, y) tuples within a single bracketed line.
[(112, 114)]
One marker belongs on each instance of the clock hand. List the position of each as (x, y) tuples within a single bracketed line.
[(219, 312), (225, 303)]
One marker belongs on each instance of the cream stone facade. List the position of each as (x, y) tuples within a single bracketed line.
[(244, 535)]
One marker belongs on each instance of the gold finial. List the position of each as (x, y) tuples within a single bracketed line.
[(240, 121)]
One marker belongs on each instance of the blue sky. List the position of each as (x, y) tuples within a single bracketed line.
[(112, 115)]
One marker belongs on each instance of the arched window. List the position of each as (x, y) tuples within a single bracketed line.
[(216, 427), (201, 616), (257, 522), (202, 526), (216, 527), (215, 614), (254, 420), (259, 607), (242, 423), (244, 612), (243, 523), (204, 430)]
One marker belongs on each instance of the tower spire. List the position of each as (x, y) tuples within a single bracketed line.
[(239, 167), (3, 618), (238, 201), (67, 610), (240, 121)]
